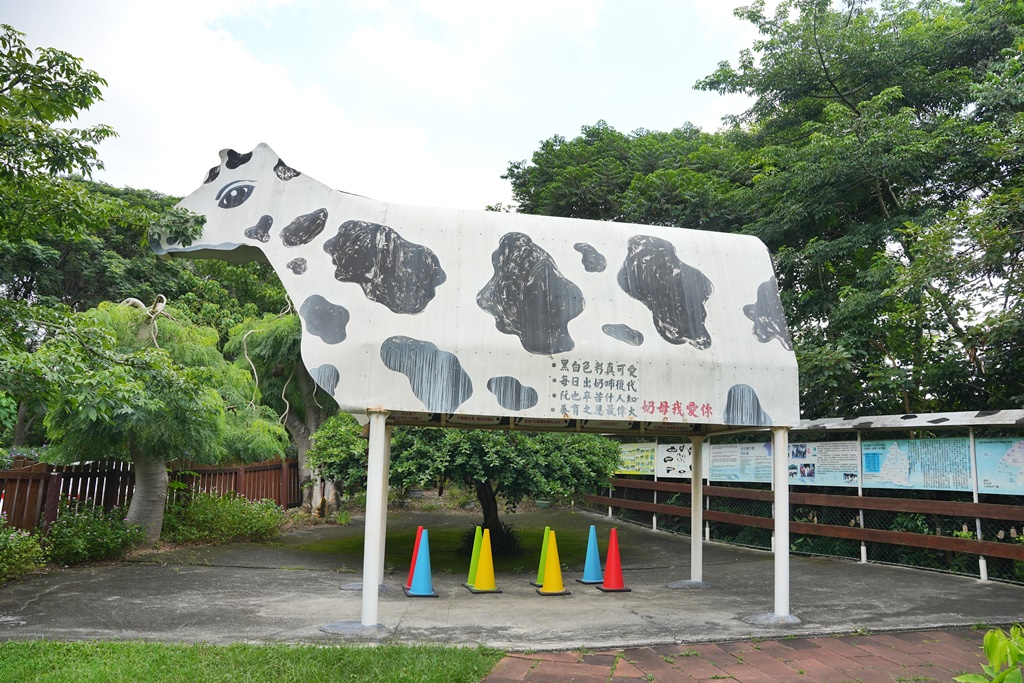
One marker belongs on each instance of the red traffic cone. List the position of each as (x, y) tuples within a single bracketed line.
[(415, 551), (613, 582)]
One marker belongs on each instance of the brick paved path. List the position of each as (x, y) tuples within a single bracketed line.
[(916, 657)]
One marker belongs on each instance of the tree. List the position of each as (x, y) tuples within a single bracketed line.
[(682, 178), (147, 386), (880, 163), (876, 127), (269, 347), (496, 465)]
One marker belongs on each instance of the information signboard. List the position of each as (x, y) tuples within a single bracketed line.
[(1000, 466), (919, 464), (637, 458)]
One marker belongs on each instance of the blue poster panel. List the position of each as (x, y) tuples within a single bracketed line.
[(919, 464), (1000, 466)]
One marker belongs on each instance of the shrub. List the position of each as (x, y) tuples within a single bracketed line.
[(19, 552), (86, 533), (197, 517)]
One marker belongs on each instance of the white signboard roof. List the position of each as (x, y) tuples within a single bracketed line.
[(467, 314)]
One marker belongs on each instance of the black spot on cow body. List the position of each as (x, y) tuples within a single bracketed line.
[(624, 333), (235, 159), (260, 231), (390, 269), (674, 292), (284, 171), (297, 266), (326, 377), (212, 174), (529, 297), (743, 407), (436, 377), (512, 394), (768, 315), (593, 260), (324, 319), (304, 229)]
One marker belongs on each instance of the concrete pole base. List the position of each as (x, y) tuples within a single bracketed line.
[(771, 620), (351, 628)]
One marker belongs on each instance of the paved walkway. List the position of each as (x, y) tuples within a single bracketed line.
[(918, 657), (285, 592)]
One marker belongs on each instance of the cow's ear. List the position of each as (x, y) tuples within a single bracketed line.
[(234, 159)]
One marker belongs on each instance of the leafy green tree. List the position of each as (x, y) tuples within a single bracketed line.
[(880, 130), (497, 465), (269, 347), (147, 386), (682, 178)]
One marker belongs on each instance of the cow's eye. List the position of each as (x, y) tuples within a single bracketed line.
[(235, 196)]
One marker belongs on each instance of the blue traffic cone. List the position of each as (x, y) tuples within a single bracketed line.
[(422, 585), (592, 568)]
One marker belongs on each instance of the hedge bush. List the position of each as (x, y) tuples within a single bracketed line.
[(86, 533), (195, 517), (20, 552)]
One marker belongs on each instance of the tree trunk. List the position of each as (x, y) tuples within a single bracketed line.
[(147, 506), (22, 426), (318, 496), (489, 504)]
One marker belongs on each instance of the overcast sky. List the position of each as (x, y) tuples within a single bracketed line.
[(411, 101)]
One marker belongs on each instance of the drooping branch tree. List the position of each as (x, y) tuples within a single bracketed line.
[(147, 386)]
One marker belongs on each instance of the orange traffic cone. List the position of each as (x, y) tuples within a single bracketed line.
[(613, 582), (484, 582), (553, 570)]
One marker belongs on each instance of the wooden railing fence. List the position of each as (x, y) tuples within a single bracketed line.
[(30, 492), (1012, 513)]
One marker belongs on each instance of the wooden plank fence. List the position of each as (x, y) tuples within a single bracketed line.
[(30, 492), (1010, 551)]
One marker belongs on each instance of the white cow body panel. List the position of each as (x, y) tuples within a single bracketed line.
[(737, 368)]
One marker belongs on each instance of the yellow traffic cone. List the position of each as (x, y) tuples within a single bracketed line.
[(553, 570), (484, 568)]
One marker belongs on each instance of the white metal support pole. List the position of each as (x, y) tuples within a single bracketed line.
[(860, 494), (982, 563), (707, 501), (376, 509), (780, 455), (654, 515), (385, 488), (697, 511)]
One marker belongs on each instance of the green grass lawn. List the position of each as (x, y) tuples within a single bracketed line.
[(102, 662)]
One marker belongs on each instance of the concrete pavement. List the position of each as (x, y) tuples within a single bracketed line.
[(285, 592)]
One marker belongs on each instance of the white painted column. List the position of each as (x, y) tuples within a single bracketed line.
[(780, 469), (376, 510), (385, 488), (860, 494), (654, 515), (982, 562), (697, 510)]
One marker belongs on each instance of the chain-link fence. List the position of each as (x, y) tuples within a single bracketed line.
[(754, 501)]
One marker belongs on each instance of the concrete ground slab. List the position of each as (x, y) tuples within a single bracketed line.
[(282, 593)]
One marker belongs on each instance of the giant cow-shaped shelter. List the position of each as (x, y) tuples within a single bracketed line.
[(429, 316)]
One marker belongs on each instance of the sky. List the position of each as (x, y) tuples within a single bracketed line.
[(409, 101)]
